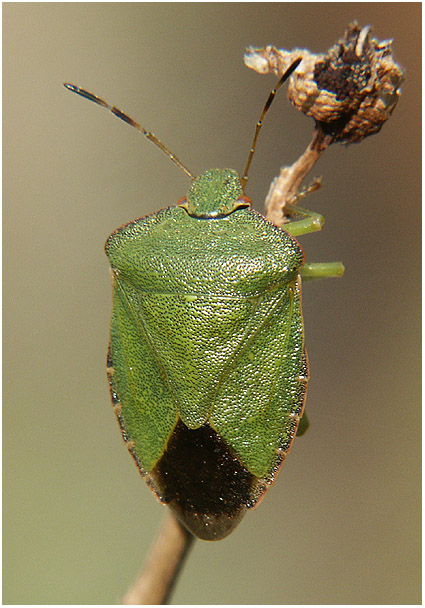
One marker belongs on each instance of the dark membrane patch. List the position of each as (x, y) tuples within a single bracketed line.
[(204, 484)]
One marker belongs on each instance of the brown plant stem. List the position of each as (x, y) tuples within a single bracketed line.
[(285, 187), (162, 567)]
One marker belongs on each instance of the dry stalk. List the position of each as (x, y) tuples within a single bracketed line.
[(165, 559)]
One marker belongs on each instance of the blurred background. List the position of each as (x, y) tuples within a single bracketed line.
[(342, 523)]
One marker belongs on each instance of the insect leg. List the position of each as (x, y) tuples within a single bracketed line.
[(311, 223), (322, 270), (303, 425)]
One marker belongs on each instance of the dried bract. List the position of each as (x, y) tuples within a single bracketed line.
[(350, 91)]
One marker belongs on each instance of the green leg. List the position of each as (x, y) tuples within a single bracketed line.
[(312, 222), (303, 425), (322, 270)]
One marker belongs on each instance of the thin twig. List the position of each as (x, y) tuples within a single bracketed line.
[(165, 559), (284, 188)]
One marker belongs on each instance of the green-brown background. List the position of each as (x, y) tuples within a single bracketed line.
[(341, 524)]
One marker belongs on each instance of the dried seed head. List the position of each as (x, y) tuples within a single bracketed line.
[(350, 91)]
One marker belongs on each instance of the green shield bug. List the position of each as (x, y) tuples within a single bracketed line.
[(206, 363)]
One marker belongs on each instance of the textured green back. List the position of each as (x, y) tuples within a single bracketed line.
[(207, 325)]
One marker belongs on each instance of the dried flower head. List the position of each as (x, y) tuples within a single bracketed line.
[(350, 91)]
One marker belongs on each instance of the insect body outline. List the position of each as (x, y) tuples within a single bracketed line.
[(206, 363)]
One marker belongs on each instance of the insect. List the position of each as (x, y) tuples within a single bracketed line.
[(206, 363)]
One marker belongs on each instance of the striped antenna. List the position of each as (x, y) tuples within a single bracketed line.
[(285, 77), (133, 123)]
